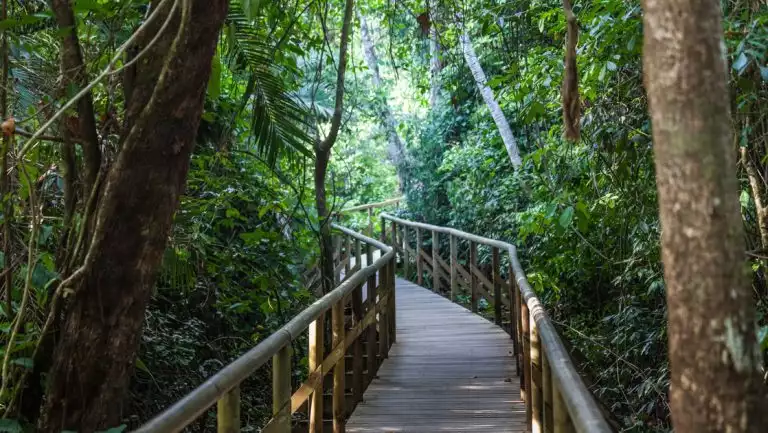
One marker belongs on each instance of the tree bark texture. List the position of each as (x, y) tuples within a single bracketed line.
[(74, 73), (435, 50), (490, 100), (100, 333), (396, 148), (323, 155), (713, 351)]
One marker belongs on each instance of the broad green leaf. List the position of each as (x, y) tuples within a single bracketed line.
[(740, 64), (566, 217), (142, 366), (214, 82), (762, 337), (251, 8), (744, 198), (24, 362)]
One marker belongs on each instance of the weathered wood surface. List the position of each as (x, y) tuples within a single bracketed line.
[(450, 371)]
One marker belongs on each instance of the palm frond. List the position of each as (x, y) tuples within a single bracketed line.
[(279, 120)]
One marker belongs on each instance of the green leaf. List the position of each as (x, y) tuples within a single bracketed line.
[(251, 8), (762, 337), (566, 217), (764, 73), (740, 64), (214, 82), (744, 198), (142, 366), (24, 362)]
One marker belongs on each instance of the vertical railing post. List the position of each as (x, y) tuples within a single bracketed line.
[(519, 327), (370, 348), (525, 383), (348, 266), (394, 239), (406, 254), (514, 307), (561, 418), (546, 383), (454, 269), (337, 248), (384, 314), (370, 222), (419, 259), (537, 396), (383, 230), (472, 276), (496, 275), (316, 356), (392, 305), (339, 370), (357, 346), (435, 262), (228, 412), (281, 389)]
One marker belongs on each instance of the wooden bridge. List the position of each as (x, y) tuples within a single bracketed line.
[(394, 356)]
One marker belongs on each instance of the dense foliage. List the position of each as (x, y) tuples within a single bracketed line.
[(585, 214), (244, 246)]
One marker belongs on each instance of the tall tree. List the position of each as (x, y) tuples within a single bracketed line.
[(108, 294), (323, 154), (435, 53), (395, 149), (490, 100), (713, 351)]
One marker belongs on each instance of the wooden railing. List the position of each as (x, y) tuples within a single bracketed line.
[(370, 208), (556, 398), (362, 328)]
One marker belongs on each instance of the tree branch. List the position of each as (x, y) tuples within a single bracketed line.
[(326, 144)]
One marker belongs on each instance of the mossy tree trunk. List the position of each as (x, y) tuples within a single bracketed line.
[(95, 355), (713, 350)]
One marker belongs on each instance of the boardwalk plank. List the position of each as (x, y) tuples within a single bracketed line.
[(450, 371)]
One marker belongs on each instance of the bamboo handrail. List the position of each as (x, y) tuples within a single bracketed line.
[(565, 394), (372, 205), (370, 208), (222, 389)]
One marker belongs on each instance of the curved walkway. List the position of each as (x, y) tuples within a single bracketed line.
[(450, 371)]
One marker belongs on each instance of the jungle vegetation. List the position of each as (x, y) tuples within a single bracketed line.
[(170, 167)]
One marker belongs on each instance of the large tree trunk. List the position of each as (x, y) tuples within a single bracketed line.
[(482, 84), (100, 333), (713, 351), (396, 149)]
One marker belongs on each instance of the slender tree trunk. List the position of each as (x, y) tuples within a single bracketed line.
[(713, 350), (73, 69), (100, 333), (482, 84), (323, 155), (435, 64), (5, 179), (757, 194), (396, 148)]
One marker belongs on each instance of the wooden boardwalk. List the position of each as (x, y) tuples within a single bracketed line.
[(450, 371)]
